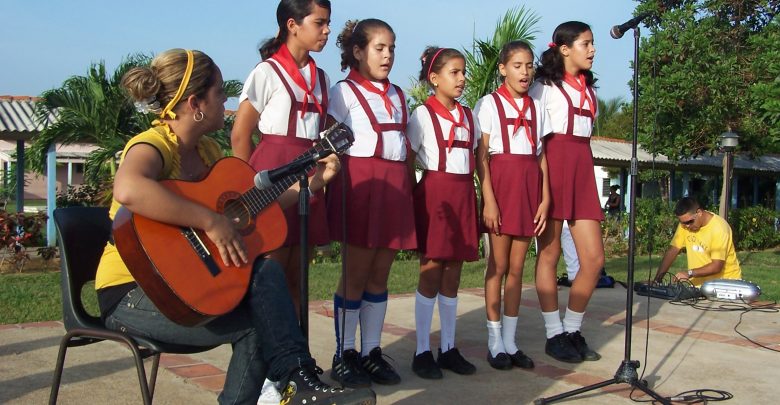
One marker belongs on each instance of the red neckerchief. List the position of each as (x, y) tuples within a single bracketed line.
[(284, 57), (503, 91), (442, 111), (581, 87), (356, 77)]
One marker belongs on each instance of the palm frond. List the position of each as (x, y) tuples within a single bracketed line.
[(482, 61), (90, 108)]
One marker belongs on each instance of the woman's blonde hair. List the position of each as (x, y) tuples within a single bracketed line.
[(160, 81)]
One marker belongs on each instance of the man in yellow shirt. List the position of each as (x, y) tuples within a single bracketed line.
[(707, 240)]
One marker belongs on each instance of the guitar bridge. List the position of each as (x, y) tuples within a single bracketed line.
[(201, 250)]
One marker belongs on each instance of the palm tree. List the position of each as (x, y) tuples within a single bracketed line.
[(91, 108), (95, 109), (609, 110), (482, 61)]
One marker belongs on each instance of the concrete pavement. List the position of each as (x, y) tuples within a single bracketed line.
[(686, 349)]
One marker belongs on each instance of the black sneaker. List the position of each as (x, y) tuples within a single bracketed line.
[(560, 348), (453, 360), (425, 366), (305, 387), (500, 362), (348, 372), (378, 369), (578, 341), (519, 359)]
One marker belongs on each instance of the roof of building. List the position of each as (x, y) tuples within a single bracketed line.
[(74, 152), (17, 117), (617, 152)]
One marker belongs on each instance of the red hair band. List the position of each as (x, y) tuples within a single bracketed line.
[(433, 59), (551, 45)]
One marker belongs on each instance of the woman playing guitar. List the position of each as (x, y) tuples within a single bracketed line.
[(185, 88)]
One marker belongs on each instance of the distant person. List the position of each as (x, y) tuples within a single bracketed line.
[(569, 253), (614, 201), (707, 240)]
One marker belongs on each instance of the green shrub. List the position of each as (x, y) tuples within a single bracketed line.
[(86, 195), (655, 225), (753, 228)]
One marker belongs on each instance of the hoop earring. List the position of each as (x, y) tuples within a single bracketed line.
[(199, 116)]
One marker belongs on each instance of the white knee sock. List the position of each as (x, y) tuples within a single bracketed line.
[(552, 323), (508, 333), (495, 342), (572, 321), (423, 314), (372, 319), (350, 322), (448, 314)]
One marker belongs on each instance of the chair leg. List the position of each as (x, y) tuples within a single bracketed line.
[(153, 375), (57, 378), (139, 366)]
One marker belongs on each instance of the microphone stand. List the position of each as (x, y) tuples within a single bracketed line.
[(303, 213), (626, 373)]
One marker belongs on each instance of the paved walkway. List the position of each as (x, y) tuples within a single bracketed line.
[(686, 349)]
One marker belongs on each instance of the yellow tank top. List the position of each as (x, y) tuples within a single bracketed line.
[(112, 270)]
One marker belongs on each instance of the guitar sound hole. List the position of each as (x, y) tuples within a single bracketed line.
[(238, 213)]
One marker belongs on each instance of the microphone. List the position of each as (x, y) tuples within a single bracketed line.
[(267, 178), (618, 30)]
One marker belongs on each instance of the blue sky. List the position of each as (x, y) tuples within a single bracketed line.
[(44, 42)]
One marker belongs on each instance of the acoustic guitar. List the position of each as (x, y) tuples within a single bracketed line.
[(179, 268)]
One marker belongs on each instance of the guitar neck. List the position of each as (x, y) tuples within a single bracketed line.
[(256, 200)]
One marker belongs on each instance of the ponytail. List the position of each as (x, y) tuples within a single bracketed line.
[(271, 46)]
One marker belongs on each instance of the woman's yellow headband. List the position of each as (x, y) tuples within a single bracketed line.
[(167, 111)]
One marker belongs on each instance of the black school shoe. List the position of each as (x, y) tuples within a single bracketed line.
[(519, 359), (305, 387), (500, 362), (578, 341), (453, 360), (561, 348), (425, 366), (378, 369), (348, 371)]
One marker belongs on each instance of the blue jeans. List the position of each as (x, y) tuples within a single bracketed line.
[(263, 331)]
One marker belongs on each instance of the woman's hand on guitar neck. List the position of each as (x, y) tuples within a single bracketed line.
[(229, 242), (327, 168)]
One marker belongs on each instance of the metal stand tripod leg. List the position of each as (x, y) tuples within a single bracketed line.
[(625, 374)]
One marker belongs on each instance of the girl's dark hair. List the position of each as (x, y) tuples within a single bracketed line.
[(510, 48), (441, 59), (356, 33), (295, 9), (551, 69)]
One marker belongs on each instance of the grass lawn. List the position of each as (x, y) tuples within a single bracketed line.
[(35, 296)]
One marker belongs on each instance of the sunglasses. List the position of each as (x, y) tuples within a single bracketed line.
[(690, 221)]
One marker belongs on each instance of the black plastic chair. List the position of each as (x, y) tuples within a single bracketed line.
[(83, 233)]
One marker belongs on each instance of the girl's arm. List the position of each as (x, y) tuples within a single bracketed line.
[(540, 219), (491, 215), (137, 189), (243, 128)]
